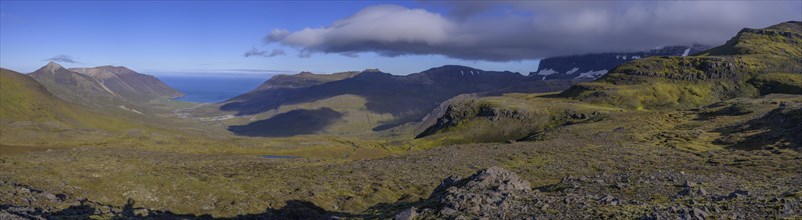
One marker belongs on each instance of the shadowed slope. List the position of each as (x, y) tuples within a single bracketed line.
[(295, 122), (406, 98)]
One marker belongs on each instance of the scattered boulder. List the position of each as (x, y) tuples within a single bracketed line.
[(609, 200), (493, 193), (407, 214)]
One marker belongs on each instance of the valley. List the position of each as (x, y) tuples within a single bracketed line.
[(713, 134)]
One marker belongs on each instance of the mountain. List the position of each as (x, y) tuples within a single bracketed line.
[(374, 99), (29, 112), (25, 99), (592, 66), (303, 79), (130, 85), (73, 87), (754, 62), (102, 86)]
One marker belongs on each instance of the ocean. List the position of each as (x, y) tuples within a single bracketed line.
[(211, 88)]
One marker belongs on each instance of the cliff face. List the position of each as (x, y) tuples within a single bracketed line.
[(592, 66)]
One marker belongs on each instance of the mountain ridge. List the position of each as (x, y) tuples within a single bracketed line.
[(71, 86), (103, 85), (406, 98), (130, 84)]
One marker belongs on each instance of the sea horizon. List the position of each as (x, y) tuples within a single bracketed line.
[(204, 88)]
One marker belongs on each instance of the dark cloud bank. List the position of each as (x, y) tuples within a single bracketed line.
[(510, 31)]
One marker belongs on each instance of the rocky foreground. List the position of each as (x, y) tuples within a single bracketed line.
[(496, 193)]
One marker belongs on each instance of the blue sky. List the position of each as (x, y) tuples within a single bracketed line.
[(212, 37), (184, 37)]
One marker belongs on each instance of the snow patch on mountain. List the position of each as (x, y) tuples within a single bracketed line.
[(591, 74), (546, 72), (572, 71)]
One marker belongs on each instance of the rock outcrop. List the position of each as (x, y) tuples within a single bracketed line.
[(460, 112), (493, 193), (496, 193)]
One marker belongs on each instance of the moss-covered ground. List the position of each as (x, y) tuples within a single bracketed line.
[(225, 176)]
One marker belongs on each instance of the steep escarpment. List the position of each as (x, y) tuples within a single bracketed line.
[(748, 65), (592, 66)]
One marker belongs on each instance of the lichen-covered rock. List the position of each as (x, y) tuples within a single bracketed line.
[(493, 193)]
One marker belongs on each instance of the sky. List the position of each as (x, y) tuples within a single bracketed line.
[(400, 37)]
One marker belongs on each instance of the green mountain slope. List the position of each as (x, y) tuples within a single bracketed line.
[(25, 99), (754, 62), (30, 113)]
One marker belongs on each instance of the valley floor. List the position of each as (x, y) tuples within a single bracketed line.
[(698, 163)]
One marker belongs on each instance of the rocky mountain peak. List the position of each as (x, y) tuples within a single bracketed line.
[(52, 67)]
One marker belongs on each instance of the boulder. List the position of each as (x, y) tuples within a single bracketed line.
[(493, 193)]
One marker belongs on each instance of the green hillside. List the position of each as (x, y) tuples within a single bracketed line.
[(27, 109), (754, 62)]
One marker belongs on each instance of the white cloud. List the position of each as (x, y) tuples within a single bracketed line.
[(264, 53), (63, 59), (536, 29)]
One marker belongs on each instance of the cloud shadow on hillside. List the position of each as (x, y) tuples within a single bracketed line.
[(295, 122), (779, 128)]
